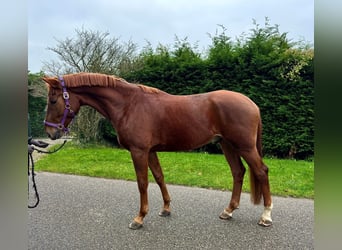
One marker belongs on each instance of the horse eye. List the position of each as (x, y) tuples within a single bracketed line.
[(53, 101)]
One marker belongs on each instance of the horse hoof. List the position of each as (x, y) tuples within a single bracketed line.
[(164, 213), (264, 223), (225, 215), (135, 225)]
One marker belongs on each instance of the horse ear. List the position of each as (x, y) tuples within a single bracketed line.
[(52, 81)]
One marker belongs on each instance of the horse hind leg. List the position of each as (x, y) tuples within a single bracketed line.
[(159, 177), (238, 172), (260, 186)]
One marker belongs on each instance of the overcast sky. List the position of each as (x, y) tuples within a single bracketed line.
[(158, 21)]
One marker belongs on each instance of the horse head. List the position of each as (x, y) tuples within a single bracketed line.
[(61, 108)]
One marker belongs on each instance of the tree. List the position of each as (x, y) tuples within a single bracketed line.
[(91, 51)]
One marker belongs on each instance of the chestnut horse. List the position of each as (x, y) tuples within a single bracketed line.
[(148, 120)]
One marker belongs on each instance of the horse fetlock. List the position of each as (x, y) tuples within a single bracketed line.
[(266, 219)]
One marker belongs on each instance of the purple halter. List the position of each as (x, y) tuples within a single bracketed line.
[(67, 110)]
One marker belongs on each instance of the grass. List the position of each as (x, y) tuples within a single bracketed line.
[(287, 177)]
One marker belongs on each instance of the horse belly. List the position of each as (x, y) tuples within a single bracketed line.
[(186, 134)]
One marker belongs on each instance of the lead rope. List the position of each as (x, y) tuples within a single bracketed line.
[(33, 174)]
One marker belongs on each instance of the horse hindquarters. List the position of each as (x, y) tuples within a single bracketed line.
[(240, 126)]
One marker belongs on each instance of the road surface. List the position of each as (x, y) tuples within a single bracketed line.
[(78, 212)]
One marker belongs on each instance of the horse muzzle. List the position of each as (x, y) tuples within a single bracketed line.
[(54, 133)]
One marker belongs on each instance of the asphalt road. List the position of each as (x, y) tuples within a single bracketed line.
[(93, 213)]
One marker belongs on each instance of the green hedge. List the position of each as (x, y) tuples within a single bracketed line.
[(264, 65), (36, 105)]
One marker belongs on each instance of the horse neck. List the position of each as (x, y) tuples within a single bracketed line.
[(108, 101)]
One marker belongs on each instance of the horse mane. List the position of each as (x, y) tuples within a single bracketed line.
[(92, 79), (148, 89), (102, 80)]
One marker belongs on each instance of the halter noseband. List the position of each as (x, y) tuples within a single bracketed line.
[(67, 110)]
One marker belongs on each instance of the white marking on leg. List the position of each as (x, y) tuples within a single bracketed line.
[(266, 215), (225, 215)]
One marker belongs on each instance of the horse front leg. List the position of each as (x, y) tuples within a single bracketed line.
[(140, 161), (159, 177)]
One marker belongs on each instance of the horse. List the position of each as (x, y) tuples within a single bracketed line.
[(148, 120)]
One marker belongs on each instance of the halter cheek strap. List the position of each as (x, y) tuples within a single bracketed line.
[(67, 109)]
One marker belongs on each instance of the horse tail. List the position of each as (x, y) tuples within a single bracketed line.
[(255, 185), (258, 141)]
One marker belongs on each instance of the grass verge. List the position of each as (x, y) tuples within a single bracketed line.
[(287, 177)]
